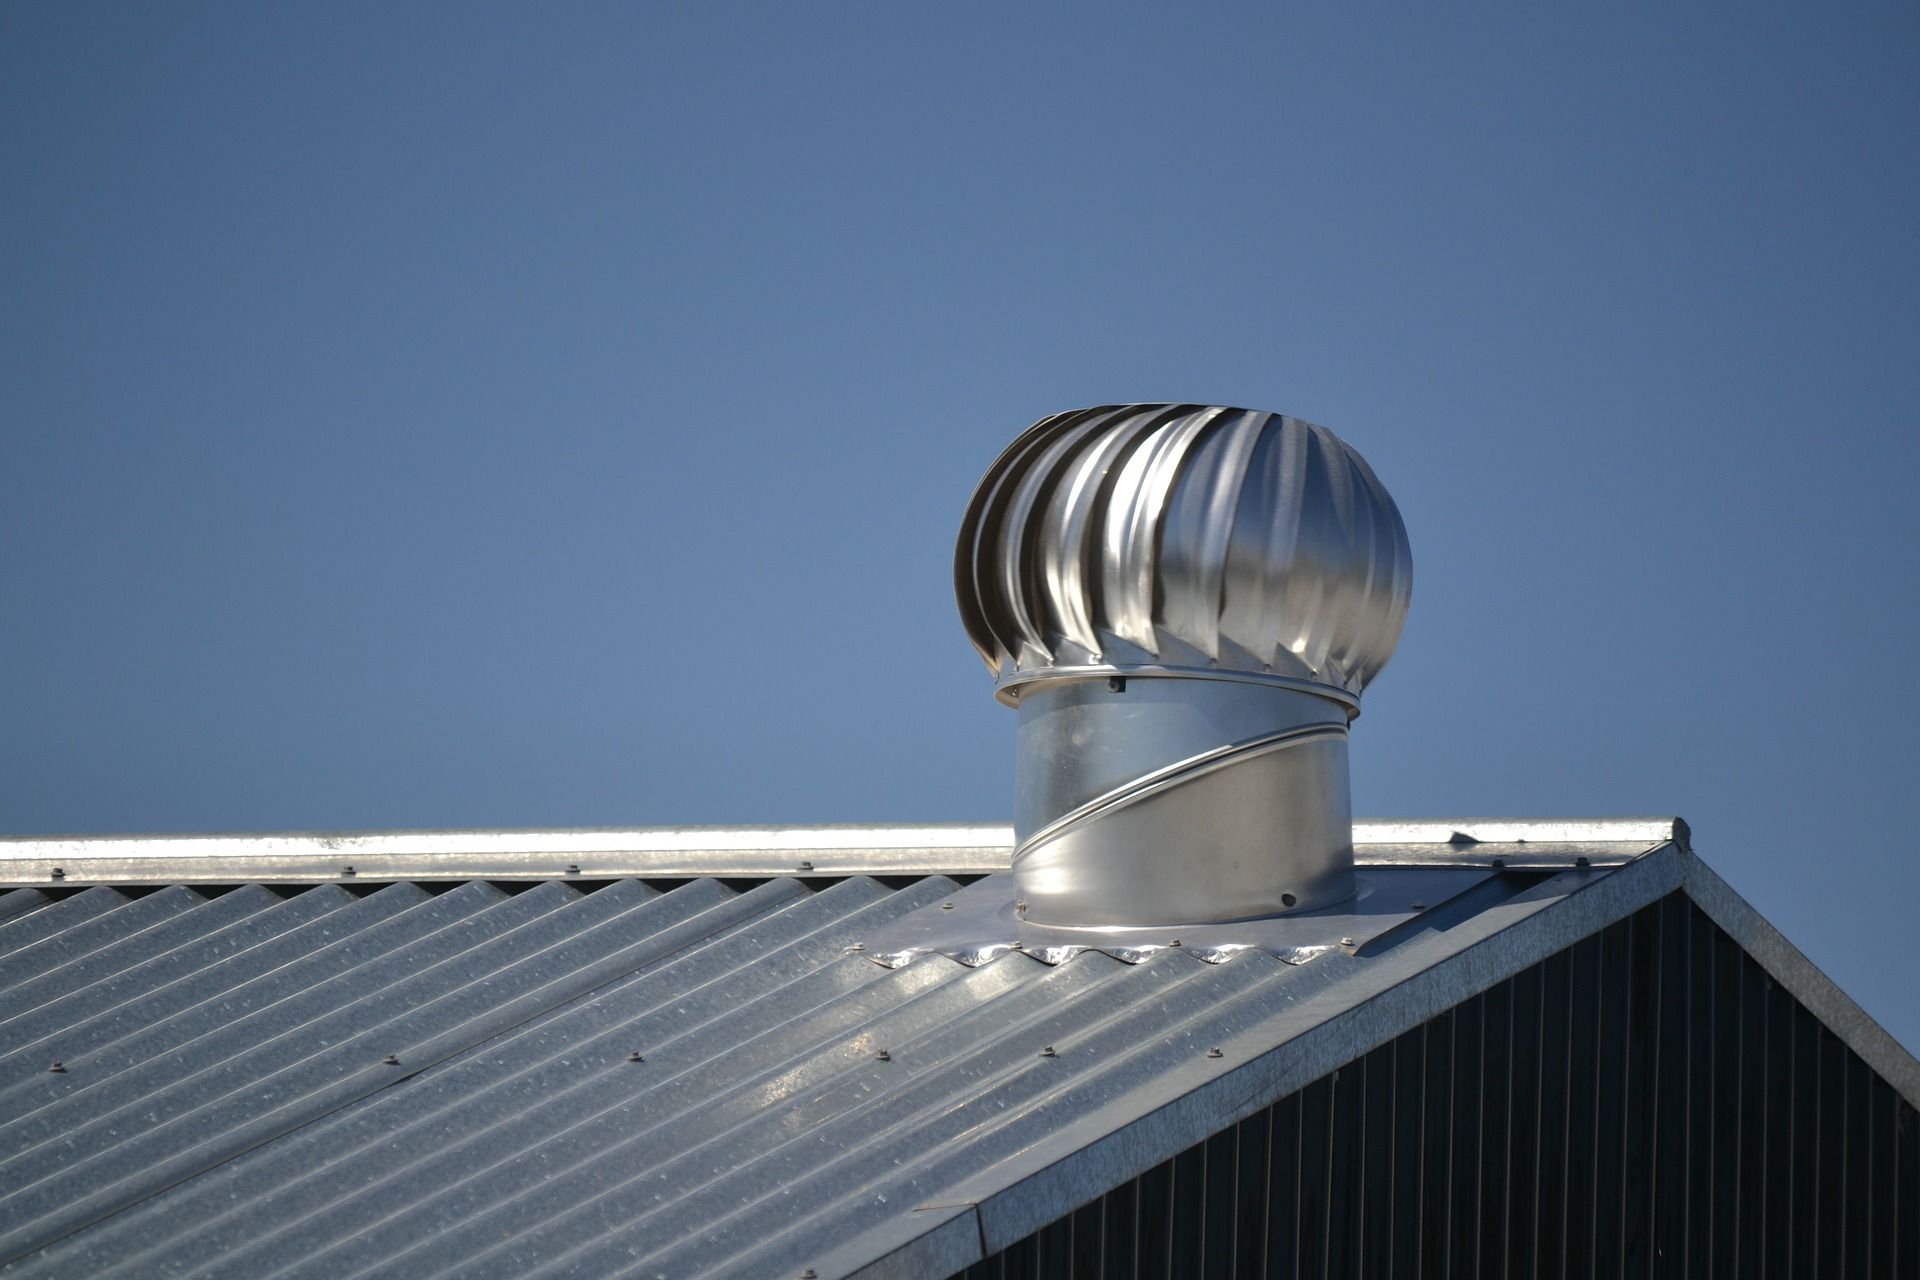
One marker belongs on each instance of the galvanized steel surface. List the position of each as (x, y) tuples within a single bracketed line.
[(1149, 802), (1184, 539), (1109, 557), (601, 853), (555, 1081), (674, 1079), (590, 853), (980, 923)]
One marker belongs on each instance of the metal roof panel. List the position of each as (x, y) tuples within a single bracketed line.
[(226, 1107)]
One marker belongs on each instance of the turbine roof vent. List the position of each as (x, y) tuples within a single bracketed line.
[(1182, 539)]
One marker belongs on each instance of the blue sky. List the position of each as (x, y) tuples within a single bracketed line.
[(440, 415)]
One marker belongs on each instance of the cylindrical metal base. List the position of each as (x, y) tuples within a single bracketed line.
[(1147, 801)]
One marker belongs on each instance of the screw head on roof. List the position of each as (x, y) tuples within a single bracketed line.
[(391, 1060), (59, 873), (635, 1057), (1048, 1052), (1215, 1053), (58, 1068), (884, 1056)]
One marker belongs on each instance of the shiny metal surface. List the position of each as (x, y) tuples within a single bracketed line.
[(1183, 536), (410, 1084), (589, 853), (1169, 802), (1081, 741), (1185, 604), (979, 924), (603, 853), (227, 1106)]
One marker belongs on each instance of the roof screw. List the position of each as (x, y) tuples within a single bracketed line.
[(1215, 1053), (58, 1068), (573, 868), (635, 1057), (946, 906), (59, 873), (1582, 861), (1346, 942), (391, 1060), (806, 866), (1048, 1052), (857, 946), (346, 871), (884, 1056)]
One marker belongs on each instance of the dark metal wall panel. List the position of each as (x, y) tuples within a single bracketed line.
[(1648, 1102)]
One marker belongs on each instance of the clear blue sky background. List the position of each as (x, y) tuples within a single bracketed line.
[(451, 415)]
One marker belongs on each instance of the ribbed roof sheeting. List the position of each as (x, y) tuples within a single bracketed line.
[(393, 1081), (225, 1106), (1184, 536)]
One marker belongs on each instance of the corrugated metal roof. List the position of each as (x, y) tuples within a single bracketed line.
[(325, 1081)]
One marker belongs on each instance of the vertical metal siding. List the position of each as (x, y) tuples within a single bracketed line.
[(1648, 1102)]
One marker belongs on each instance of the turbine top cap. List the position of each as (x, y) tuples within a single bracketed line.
[(1183, 539)]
